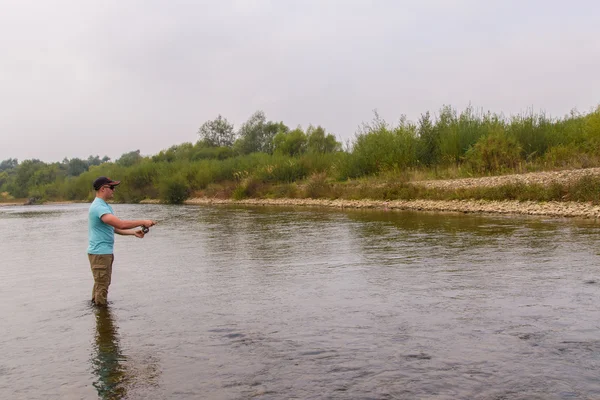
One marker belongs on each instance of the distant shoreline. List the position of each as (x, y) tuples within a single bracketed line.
[(46, 203), (550, 209), (559, 209)]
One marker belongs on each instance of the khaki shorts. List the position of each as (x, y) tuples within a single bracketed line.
[(101, 265)]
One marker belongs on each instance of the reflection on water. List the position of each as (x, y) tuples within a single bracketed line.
[(115, 374), (108, 361)]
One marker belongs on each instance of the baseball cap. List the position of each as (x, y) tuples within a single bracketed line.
[(101, 181)]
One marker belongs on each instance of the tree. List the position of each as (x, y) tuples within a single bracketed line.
[(10, 163), (95, 160), (319, 142), (428, 148), (3, 178), (76, 167), (129, 159), (19, 186), (217, 133), (256, 134), (290, 143)]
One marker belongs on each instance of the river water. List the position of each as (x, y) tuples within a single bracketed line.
[(275, 303)]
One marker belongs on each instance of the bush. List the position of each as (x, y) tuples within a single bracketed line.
[(283, 190), (563, 156), (317, 186), (174, 190), (248, 187), (493, 153), (585, 189), (281, 169)]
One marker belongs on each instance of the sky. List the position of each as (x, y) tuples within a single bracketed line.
[(82, 77)]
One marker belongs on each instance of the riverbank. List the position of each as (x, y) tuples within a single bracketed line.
[(560, 209), (569, 209), (551, 209)]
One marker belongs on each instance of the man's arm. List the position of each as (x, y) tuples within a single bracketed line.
[(128, 232), (119, 224)]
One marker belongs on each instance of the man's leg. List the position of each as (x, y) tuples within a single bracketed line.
[(101, 265)]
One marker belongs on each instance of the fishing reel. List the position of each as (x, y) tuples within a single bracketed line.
[(145, 229)]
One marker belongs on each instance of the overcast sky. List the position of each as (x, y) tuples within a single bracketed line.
[(80, 78)]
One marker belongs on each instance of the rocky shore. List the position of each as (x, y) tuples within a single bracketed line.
[(551, 209), (540, 178)]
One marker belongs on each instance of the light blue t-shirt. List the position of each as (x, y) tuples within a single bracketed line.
[(101, 235)]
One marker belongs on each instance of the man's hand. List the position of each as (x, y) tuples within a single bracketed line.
[(148, 223), (139, 233)]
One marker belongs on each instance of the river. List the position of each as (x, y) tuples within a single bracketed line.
[(279, 303)]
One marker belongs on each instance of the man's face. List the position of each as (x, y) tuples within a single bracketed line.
[(109, 191)]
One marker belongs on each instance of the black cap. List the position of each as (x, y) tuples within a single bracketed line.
[(98, 183)]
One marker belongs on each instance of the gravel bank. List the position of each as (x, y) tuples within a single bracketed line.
[(552, 209), (542, 178)]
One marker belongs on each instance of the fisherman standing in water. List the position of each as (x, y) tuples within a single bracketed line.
[(102, 226)]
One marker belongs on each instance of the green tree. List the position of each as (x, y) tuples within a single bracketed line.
[(290, 143), (320, 142), (428, 148), (129, 159), (449, 136), (217, 133), (76, 167), (95, 160), (22, 180), (3, 178), (7, 164), (46, 174), (256, 135)]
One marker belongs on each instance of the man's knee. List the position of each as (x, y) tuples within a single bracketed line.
[(101, 275)]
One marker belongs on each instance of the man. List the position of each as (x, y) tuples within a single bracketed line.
[(102, 226)]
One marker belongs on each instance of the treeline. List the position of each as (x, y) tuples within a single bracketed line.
[(264, 153)]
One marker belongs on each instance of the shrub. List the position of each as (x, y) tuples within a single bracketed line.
[(248, 187), (283, 190), (174, 190), (563, 156), (585, 189), (317, 186), (494, 152)]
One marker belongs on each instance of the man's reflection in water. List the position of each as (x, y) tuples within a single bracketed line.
[(108, 362), (115, 375)]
